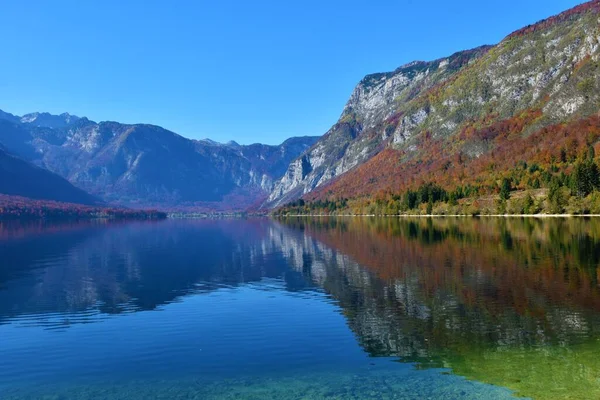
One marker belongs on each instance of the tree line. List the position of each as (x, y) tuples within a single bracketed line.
[(568, 186)]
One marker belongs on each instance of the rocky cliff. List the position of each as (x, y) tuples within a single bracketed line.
[(548, 71), (361, 130)]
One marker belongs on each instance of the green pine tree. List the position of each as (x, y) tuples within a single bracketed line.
[(505, 188)]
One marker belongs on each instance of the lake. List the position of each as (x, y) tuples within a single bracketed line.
[(324, 308)]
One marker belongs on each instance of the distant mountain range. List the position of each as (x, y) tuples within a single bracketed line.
[(43, 119), (148, 166)]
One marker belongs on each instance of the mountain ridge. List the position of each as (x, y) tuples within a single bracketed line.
[(550, 66), (141, 165)]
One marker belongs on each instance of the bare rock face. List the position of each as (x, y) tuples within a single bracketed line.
[(551, 66), (363, 126), (47, 120)]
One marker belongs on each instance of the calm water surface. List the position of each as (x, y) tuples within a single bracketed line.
[(301, 309)]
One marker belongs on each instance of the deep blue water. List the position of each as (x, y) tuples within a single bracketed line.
[(205, 309)]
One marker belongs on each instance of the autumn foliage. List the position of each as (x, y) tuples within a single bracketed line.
[(451, 162), (435, 253), (591, 6), (16, 207)]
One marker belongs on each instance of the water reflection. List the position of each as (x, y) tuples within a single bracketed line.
[(512, 302), (494, 282), (88, 269)]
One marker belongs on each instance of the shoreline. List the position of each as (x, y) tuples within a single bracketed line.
[(230, 216), (445, 216)]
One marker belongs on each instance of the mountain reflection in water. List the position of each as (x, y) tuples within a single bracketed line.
[(509, 302)]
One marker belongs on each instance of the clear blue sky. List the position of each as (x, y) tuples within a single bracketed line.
[(251, 71)]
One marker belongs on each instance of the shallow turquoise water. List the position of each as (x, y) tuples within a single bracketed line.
[(207, 309)]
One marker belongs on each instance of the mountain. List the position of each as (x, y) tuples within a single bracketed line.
[(8, 117), (146, 165), (454, 120), (20, 178), (48, 120), (363, 128)]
